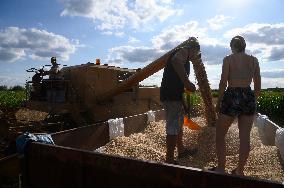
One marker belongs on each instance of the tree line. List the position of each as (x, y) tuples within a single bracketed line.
[(13, 88)]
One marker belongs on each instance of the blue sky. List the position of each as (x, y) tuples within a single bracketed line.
[(133, 33)]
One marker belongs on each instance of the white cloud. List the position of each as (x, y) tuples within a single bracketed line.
[(11, 54), (214, 54), (171, 37), (272, 82), (116, 14), (269, 34), (115, 62), (133, 40), (213, 50), (14, 80), (279, 73), (167, 1), (129, 54), (218, 21), (17, 43), (119, 34), (266, 39), (154, 79), (107, 33), (276, 53)]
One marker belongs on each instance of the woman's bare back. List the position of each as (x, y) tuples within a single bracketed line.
[(241, 69)]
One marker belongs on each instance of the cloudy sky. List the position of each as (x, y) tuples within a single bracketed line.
[(133, 33)]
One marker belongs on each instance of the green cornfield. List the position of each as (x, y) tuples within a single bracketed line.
[(271, 103), (11, 99), (196, 106)]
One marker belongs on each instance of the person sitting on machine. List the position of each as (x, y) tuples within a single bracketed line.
[(54, 72), (54, 75)]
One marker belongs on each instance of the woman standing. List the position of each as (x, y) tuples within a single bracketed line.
[(237, 100)]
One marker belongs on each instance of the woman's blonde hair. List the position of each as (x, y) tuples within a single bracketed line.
[(238, 42)]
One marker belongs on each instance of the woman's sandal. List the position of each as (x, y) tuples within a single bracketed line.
[(212, 168), (174, 162), (234, 172), (215, 169)]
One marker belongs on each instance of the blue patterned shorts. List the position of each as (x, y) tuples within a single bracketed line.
[(238, 101)]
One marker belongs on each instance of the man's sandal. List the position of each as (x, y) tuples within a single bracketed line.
[(187, 152)]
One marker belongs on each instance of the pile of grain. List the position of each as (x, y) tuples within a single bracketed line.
[(149, 145), (263, 162), (26, 115)]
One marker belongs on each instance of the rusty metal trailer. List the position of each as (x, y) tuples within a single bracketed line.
[(72, 162)]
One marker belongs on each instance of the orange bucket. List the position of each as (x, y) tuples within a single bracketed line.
[(190, 124)]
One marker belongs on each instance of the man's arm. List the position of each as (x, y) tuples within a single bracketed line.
[(178, 61), (52, 70)]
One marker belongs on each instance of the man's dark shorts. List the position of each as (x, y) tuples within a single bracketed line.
[(238, 101)]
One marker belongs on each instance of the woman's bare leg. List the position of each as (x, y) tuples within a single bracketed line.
[(222, 127), (245, 124)]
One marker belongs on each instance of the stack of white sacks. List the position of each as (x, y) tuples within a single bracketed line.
[(270, 133)]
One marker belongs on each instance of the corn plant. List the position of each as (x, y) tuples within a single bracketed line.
[(11, 99), (272, 104), (196, 104)]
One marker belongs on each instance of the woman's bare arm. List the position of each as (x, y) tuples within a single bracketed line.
[(223, 81), (257, 80)]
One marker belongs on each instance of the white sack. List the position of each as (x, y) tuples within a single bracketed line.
[(116, 128)]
